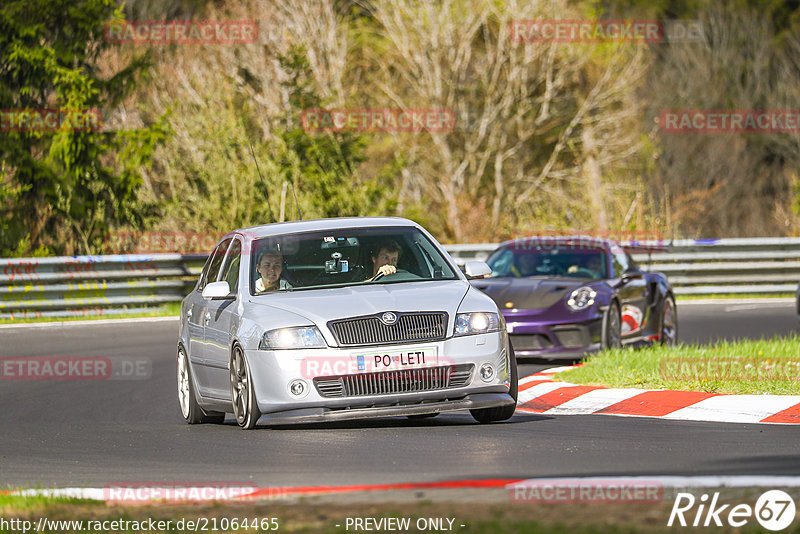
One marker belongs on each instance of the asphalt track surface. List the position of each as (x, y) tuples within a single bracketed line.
[(94, 433)]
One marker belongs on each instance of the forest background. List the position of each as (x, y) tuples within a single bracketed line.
[(548, 137)]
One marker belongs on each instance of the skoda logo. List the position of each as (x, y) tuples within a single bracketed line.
[(389, 318)]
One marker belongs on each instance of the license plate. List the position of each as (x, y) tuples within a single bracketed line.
[(390, 360)]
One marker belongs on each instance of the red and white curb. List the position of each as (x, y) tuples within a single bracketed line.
[(541, 394)]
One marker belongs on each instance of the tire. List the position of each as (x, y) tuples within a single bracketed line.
[(243, 397), (612, 327), (187, 399), (501, 413), (668, 332)]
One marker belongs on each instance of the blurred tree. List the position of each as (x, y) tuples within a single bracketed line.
[(60, 189)]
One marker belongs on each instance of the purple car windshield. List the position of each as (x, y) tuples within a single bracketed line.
[(564, 262)]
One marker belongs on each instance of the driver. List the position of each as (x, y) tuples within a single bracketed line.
[(270, 267), (595, 264), (592, 265), (384, 262)]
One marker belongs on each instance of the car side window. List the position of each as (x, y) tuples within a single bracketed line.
[(211, 271), (621, 263), (231, 269)]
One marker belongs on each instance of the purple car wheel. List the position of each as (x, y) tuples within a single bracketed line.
[(669, 322), (612, 327)]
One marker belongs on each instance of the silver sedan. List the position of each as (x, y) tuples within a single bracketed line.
[(335, 319)]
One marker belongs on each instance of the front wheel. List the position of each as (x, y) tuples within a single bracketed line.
[(245, 407), (190, 409), (501, 413), (612, 327), (669, 322)]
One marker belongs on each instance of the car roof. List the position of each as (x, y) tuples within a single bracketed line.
[(313, 225)]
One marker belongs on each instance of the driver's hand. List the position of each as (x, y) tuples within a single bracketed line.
[(387, 269)]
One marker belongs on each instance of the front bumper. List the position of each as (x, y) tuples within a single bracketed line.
[(535, 336), (273, 372), (322, 414)]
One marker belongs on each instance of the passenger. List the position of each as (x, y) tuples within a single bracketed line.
[(270, 267), (384, 262), (525, 265)]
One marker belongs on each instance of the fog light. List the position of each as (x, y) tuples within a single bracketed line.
[(487, 372), (298, 388)]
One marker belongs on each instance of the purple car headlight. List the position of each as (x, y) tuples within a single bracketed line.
[(476, 323), (581, 299)]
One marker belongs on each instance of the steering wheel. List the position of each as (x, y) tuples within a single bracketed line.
[(589, 273), (381, 275)]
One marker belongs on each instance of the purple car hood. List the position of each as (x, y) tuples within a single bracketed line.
[(527, 293)]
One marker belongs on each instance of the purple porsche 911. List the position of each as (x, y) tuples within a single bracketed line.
[(565, 296)]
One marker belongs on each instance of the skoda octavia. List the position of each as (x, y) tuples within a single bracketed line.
[(333, 319)]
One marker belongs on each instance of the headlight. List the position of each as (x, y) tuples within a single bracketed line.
[(581, 298), (476, 323), (301, 337)]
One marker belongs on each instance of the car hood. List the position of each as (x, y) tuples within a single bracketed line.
[(323, 305), (527, 293)]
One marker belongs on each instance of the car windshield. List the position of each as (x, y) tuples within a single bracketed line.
[(552, 261), (345, 257)]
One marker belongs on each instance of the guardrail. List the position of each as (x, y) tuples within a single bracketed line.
[(94, 285), (105, 285)]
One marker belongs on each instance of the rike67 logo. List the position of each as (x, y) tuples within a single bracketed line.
[(774, 510)]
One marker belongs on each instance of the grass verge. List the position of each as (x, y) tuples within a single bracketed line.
[(743, 367), (474, 515), (165, 310)]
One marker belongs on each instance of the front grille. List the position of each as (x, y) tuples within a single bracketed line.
[(529, 341), (393, 382), (371, 331), (572, 338)]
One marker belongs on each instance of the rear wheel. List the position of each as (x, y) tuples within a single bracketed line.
[(190, 409), (501, 413), (669, 322), (245, 407), (612, 327)]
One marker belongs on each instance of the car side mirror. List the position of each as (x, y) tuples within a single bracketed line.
[(630, 274), (476, 269), (218, 291)]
